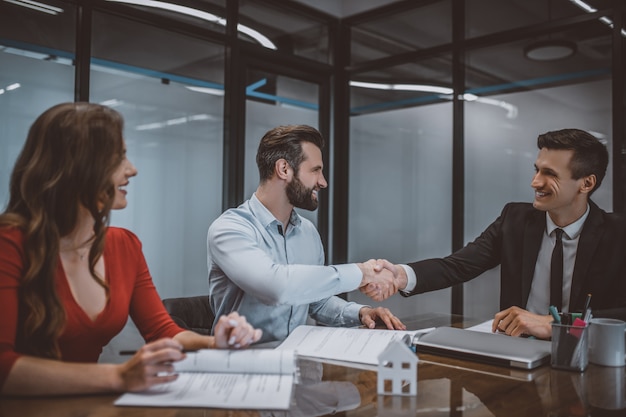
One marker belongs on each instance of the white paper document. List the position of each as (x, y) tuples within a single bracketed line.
[(356, 345), (249, 361), (484, 327), (213, 378)]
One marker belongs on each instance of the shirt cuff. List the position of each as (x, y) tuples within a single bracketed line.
[(352, 314), (411, 279), (350, 277)]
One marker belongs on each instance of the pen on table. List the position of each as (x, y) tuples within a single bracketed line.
[(587, 303), (132, 352), (555, 314)]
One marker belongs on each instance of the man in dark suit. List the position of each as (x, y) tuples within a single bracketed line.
[(591, 256)]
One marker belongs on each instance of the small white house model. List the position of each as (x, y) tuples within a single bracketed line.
[(397, 370)]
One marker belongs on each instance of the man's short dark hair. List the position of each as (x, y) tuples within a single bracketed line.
[(285, 142), (590, 155)]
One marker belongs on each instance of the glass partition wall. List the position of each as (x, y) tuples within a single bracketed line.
[(36, 72), (172, 103), (400, 147), (519, 69), (526, 97)]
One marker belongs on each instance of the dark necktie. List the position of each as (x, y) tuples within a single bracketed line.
[(556, 271)]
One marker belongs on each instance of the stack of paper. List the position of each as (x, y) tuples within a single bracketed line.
[(350, 345), (242, 379)]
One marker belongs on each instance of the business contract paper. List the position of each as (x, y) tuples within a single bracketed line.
[(250, 379), (355, 345)]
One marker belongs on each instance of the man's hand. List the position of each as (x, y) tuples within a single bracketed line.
[(399, 274), (516, 321), (381, 266), (233, 331), (369, 315), (380, 283)]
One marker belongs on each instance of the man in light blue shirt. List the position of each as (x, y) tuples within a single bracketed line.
[(267, 262)]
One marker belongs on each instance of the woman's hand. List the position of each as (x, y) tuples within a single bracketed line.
[(151, 365), (233, 331)]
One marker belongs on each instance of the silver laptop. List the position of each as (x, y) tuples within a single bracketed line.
[(496, 349)]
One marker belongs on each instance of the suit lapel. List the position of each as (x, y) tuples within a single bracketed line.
[(589, 239), (535, 226)]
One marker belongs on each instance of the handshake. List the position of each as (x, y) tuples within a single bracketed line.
[(381, 279)]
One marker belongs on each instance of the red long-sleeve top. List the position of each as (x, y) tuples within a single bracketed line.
[(131, 292)]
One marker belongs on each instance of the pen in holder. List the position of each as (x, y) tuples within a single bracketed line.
[(569, 346)]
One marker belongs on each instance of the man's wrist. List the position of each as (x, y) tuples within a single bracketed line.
[(401, 281), (362, 311), (410, 280)]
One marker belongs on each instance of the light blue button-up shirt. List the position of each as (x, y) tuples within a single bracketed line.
[(276, 278)]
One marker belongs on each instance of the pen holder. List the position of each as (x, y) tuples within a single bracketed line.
[(569, 346)]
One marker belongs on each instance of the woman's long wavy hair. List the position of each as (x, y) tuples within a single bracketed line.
[(68, 160)]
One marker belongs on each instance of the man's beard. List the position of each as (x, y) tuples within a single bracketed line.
[(299, 196)]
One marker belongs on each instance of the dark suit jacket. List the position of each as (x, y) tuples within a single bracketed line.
[(513, 241)]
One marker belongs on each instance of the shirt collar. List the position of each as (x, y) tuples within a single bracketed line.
[(572, 230), (266, 217)]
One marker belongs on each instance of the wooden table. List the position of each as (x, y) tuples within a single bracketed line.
[(446, 387)]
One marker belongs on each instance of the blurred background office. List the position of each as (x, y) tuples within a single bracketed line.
[(431, 107)]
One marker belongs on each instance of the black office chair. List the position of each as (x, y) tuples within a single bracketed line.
[(191, 313)]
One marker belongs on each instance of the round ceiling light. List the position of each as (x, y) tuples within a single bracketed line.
[(550, 50)]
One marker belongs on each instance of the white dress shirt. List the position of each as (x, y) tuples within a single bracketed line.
[(539, 297)]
